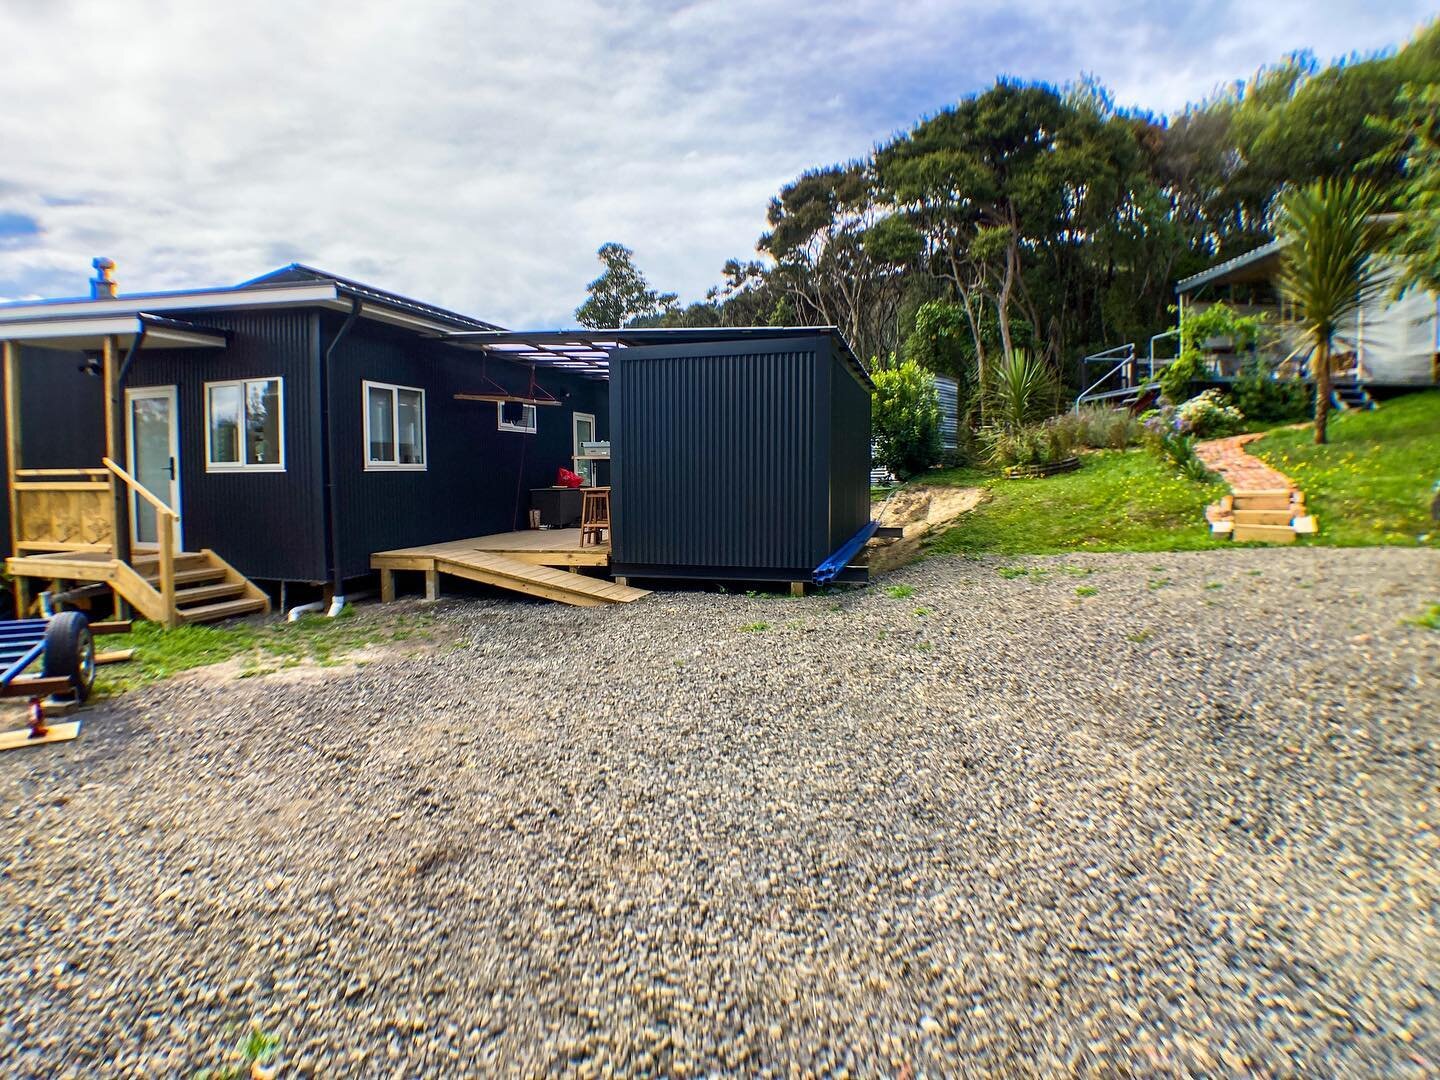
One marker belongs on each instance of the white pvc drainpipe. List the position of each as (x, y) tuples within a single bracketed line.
[(295, 612)]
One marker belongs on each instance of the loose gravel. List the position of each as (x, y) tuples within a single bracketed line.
[(1155, 814)]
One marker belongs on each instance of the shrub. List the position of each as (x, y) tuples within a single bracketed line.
[(1210, 415), (1099, 428), (1168, 437), (1196, 328), (905, 411), (1261, 396), (1030, 444), (1021, 389)]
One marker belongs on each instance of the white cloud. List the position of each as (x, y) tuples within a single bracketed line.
[(476, 154)]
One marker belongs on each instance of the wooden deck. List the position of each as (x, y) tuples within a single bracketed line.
[(542, 547), (524, 562)]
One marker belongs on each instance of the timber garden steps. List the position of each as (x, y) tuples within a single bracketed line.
[(207, 588), (1264, 506)]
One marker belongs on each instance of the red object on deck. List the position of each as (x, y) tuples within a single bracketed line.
[(566, 478)]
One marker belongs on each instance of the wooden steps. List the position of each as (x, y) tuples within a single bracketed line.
[(1269, 534), (1269, 517), (1262, 517), (227, 609), (207, 588)]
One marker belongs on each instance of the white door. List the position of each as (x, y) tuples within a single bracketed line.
[(584, 432), (152, 443)]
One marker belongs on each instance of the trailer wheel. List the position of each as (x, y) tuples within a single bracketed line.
[(70, 652)]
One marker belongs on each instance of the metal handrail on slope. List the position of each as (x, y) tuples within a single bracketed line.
[(1126, 355)]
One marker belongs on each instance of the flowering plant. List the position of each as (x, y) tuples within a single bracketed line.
[(1210, 414)]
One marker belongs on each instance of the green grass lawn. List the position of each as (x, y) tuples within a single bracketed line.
[(1116, 501), (264, 646), (1371, 483)]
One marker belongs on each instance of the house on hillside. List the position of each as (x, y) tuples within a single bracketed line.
[(1392, 344), (202, 452)]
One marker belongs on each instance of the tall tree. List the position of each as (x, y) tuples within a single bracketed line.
[(621, 294), (1416, 239), (1325, 268), (819, 226)]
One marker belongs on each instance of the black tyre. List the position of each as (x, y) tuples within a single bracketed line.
[(70, 652)]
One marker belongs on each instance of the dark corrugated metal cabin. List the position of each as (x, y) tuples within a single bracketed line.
[(737, 459)]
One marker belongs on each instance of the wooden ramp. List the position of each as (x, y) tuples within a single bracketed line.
[(502, 569), (504, 572)]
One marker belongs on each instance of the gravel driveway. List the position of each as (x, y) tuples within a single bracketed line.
[(1184, 825)]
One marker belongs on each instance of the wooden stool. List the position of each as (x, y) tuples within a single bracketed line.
[(594, 515)]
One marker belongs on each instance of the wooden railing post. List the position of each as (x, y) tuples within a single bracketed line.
[(167, 567)]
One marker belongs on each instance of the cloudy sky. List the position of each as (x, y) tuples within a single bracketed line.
[(475, 153)]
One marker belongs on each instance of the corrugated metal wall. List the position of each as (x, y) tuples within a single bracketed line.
[(477, 479), (948, 391), (734, 459), (268, 524)]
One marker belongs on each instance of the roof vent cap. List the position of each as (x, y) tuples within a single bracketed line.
[(102, 285)]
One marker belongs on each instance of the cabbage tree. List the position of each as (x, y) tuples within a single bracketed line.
[(1325, 267)]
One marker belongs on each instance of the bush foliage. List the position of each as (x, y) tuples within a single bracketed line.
[(1210, 415), (905, 414), (1261, 396)]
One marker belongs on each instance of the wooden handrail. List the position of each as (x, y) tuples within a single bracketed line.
[(61, 472), (141, 490), (165, 521)]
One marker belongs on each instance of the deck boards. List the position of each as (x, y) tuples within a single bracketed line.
[(544, 547), (525, 562)]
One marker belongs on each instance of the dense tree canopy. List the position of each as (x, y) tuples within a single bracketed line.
[(1029, 218)]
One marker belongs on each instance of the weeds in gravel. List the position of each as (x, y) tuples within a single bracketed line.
[(900, 592), (255, 1052), (1214, 585), (755, 628), (921, 612), (1158, 583), (1078, 571), (1139, 637), (1429, 620), (1086, 590), (266, 646), (1010, 573)]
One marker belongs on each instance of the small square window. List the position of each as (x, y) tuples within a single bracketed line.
[(516, 416), (394, 427), (245, 425)]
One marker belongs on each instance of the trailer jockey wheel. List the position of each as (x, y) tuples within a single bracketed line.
[(70, 652)]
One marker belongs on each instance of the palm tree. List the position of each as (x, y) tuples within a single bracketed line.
[(1325, 268)]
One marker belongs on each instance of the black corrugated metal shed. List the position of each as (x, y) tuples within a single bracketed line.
[(741, 457), (737, 453)]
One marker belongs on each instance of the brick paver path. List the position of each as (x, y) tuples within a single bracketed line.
[(1241, 471)]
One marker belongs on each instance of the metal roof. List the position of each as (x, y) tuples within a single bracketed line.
[(88, 332), (1229, 266), (587, 352), (293, 285), (301, 272)]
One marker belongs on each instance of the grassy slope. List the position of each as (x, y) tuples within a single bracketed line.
[(1371, 483), (1117, 501)]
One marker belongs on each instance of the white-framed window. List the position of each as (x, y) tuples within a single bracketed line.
[(245, 425), (394, 426), (526, 423)]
